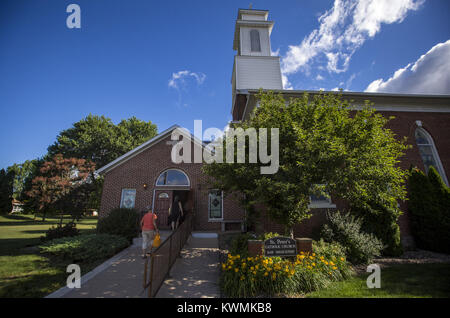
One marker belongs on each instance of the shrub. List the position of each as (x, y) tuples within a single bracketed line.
[(345, 229), (328, 250), (266, 236), (68, 230), (84, 248), (239, 245), (123, 222), (382, 222), (429, 205), (265, 276)]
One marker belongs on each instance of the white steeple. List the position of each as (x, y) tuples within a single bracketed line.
[(254, 66)]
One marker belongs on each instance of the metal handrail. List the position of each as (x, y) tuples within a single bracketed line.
[(185, 227)]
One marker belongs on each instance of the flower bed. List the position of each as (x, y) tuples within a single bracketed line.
[(265, 276)]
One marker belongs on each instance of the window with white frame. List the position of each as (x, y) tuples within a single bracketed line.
[(320, 201), (128, 198), (428, 152), (215, 205), (173, 177)]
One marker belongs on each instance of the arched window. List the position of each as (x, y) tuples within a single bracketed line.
[(428, 152), (255, 41), (173, 177)]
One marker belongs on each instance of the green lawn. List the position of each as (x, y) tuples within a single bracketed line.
[(23, 271), (398, 281)]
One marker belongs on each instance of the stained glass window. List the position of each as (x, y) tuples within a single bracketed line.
[(428, 152), (128, 198), (215, 204)]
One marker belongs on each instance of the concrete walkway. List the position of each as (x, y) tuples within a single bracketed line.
[(121, 276), (196, 273)]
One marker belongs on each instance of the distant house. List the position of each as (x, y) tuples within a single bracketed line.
[(17, 206), (146, 176)]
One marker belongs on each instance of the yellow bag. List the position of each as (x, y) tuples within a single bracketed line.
[(156, 240)]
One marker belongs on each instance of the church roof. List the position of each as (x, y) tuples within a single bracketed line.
[(146, 145)]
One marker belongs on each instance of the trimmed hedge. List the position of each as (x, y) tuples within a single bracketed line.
[(123, 222), (67, 230), (429, 205), (84, 248)]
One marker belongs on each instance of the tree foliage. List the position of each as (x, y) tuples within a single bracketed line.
[(325, 147), (429, 205), (98, 139), (58, 187), (6, 191)]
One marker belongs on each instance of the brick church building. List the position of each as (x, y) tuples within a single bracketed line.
[(146, 176)]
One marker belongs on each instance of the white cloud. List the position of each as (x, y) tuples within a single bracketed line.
[(275, 53), (342, 30), (181, 77), (430, 74), (286, 83), (319, 77)]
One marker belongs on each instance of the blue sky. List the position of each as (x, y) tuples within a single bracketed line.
[(122, 60)]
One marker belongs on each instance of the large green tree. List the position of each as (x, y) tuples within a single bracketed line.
[(98, 139), (325, 148)]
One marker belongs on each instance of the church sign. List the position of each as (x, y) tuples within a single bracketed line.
[(280, 246)]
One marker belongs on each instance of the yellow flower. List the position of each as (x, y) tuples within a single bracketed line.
[(252, 268), (331, 263), (254, 273), (292, 272), (311, 257), (334, 267), (274, 276), (266, 274), (313, 264), (313, 254), (236, 269), (229, 267), (224, 266), (238, 256), (257, 266), (342, 259)]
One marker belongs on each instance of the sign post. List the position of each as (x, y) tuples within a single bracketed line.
[(280, 246)]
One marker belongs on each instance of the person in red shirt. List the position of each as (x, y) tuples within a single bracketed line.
[(148, 226)]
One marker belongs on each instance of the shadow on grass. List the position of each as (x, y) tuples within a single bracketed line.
[(14, 246), (397, 281)]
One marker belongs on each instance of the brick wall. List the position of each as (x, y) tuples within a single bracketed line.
[(145, 168), (148, 165)]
